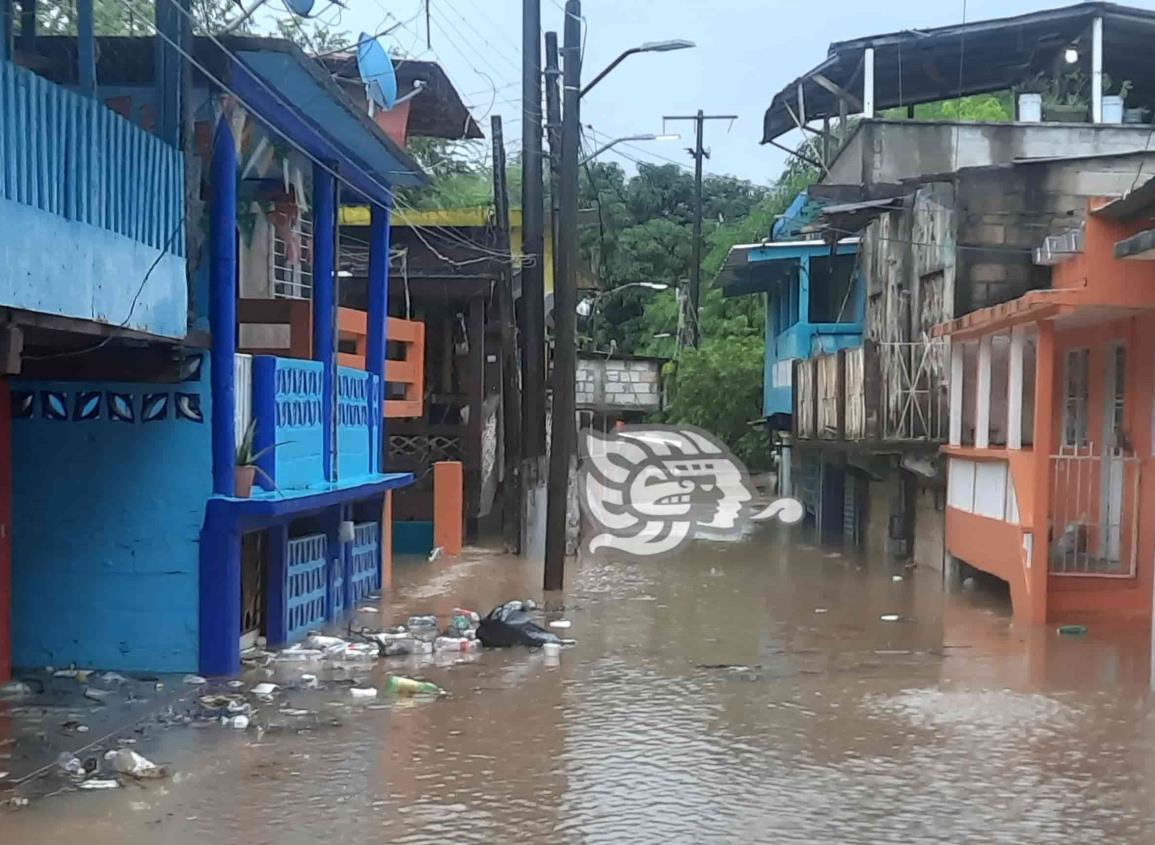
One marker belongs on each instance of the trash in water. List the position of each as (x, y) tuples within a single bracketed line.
[(73, 727), (265, 690), (69, 763), (560, 623), (194, 680), (99, 783), (895, 577), (3, 775), (551, 649), (529, 604), (239, 722), (451, 644), (298, 653), (18, 801), (363, 692), (889, 617), (968, 583), (471, 615), (355, 652), (419, 622), (80, 675), (97, 695), (309, 682), (14, 689), (821, 610), (222, 706), (508, 625), (1073, 629), (108, 679), (434, 553), (128, 762), (399, 685), (367, 610)]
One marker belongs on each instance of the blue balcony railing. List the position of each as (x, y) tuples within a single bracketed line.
[(71, 156), (90, 205), (287, 406), (358, 423)]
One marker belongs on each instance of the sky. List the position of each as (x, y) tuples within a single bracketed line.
[(746, 51)]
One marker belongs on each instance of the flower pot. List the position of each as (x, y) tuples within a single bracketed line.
[(1031, 107), (243, 485), (1055, 113), (1112, 108), (1137, 115)]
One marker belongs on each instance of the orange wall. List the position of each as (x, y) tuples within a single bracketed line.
[(1103, 276), (993, 546)]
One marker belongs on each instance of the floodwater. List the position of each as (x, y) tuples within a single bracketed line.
[(740, 692)]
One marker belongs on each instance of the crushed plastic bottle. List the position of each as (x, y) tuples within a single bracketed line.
[(363, 692), (451, 644), (419, 622), (399, 685), (128, 762)]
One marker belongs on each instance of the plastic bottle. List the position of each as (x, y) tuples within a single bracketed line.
[(454, 644), (417, 622), (399, 685)]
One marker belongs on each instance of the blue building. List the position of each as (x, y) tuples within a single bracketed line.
[(165, 286), (814, 303)]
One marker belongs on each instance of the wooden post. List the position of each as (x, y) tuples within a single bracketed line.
[(1015, 389), (840, 413), (475, 326), (385, 542), (983, 395), (957, 350), (510, 390)]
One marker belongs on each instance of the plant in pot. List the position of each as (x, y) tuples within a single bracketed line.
[(1067, 98), (246, 469), (1113, 111), (1030, 98)]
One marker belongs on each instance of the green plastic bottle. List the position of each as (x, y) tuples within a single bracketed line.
[(399, 685)]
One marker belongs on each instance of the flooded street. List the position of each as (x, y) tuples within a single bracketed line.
[(738, 692)]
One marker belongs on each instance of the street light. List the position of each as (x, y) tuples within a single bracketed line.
[(588, 307), (648, 47), (626, 139)]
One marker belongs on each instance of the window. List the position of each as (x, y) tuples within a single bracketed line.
[(784, 303), (291, 260), (1076, 397), (832, 298), (1118, 363)]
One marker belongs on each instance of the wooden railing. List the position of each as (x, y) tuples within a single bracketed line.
[(407, 371)]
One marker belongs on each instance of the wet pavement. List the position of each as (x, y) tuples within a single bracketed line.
[(739, 692)]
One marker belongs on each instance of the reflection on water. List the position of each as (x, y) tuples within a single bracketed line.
[(738, 692)]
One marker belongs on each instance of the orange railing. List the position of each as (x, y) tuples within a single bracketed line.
[(408, 371)]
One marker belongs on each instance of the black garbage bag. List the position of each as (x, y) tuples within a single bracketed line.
[(509, 625)]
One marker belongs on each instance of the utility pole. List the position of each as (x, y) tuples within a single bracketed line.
[(564, 438), (510, 392), (533, 243), (553, 134), (699, 154)]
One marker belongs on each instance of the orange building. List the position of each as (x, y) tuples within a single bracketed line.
[(1051, 451)]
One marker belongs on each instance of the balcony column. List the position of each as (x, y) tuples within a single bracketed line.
[(1097, 70), (324, 306), (28, 25), (957, 350), (85, 48), (1044, 447), (1015, 389), (868, 82), (5, 29), (223, 304), (983, 395), (378, 320)]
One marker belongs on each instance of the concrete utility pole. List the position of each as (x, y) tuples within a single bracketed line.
[(510, 391), (553, 133), (699, 154), (564, 437), (533, 238)]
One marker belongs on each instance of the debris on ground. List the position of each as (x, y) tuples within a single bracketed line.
[(889, 617), (560, 623), (363, 692), (509, 624), (15, 689), (127, 762), (99, 783), (399, 685), (1073, 630), (195, 680)]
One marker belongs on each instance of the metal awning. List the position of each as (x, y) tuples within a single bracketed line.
[(923, 66), (1138, 247)]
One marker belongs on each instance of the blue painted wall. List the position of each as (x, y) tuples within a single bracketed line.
[(288, 391), (358, 426), (109, 488), (108, 215), (786, 340)]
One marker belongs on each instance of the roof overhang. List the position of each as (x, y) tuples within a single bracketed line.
[(758, 268), (922, 66)]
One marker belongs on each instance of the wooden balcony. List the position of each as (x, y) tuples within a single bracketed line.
[(404, 374)]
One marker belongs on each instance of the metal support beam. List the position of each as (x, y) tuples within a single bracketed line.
[(1015, 389), (868, 82), (838, 91), (1097, 70)]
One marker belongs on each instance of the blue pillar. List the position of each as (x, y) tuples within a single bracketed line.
[(220, 593), (85, 48), (277, 580), (264, 407), (223, 306), (378, 325), (324, 305)]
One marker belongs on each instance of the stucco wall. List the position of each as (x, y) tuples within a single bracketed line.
[(109, 486)]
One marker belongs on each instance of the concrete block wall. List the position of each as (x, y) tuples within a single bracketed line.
[(608, 384)]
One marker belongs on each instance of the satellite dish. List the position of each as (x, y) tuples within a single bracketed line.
[(300, 7), (376, 69)]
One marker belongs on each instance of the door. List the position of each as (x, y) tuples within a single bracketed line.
[(252, 587), (1114, 465)]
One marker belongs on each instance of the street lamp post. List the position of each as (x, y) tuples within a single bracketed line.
[(648, 47), (589, 307), (624, 140)]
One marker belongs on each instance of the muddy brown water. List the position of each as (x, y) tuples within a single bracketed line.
[(709, 699)]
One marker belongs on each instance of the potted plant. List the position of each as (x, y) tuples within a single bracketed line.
[(1066, 98), (246, 468), (1030, 99), (1113, 103)]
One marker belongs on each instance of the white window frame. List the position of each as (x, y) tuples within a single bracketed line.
[(1076, 401), (292, 280)]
